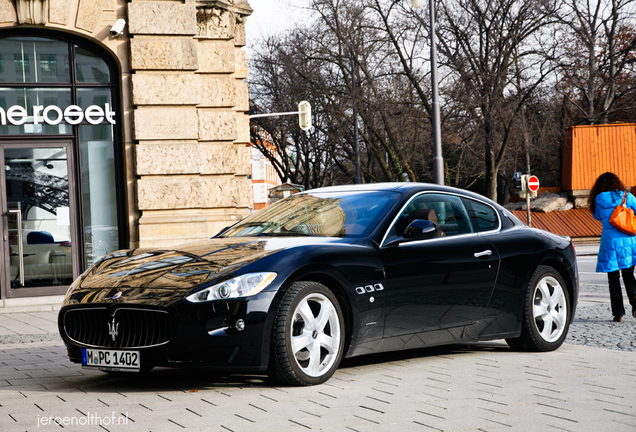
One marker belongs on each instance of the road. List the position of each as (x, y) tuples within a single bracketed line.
[(587, 271)]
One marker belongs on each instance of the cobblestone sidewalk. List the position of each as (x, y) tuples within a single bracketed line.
[(593, 324), (466, 387)]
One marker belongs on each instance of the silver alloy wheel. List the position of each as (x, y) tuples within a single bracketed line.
[(315, 335), (550, 309)]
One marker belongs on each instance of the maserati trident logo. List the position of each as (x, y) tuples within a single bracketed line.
[(112, 329)]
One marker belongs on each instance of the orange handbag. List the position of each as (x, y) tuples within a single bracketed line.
[(623, 219)]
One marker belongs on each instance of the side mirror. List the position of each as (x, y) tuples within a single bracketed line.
[(420, 229)]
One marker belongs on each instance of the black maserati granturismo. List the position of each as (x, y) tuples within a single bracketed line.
[(332, 272)]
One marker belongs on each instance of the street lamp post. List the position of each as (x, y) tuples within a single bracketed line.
[(438, 160), (356, 144)]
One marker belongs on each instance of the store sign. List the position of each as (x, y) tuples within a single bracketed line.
[(52, 115)]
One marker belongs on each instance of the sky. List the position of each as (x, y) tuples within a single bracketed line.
[(270, 16)]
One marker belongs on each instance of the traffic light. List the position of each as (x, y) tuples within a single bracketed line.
[(521, 183), (517, 178), (304, 115)]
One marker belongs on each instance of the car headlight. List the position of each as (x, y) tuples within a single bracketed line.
[(241, 286)]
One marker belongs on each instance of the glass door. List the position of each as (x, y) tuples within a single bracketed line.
[(38, 220)]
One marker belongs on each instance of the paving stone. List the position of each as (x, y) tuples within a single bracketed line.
[(586, 385)]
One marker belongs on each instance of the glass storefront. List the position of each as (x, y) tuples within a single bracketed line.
[(39, 226), (23, 100), (34, 60), (58, 130)]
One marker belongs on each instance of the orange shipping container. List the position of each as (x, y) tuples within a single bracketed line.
[(589, 151)]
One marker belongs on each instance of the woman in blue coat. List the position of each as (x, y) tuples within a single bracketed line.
[(617, 251)]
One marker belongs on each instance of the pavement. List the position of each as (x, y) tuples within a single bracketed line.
[(589, 384)]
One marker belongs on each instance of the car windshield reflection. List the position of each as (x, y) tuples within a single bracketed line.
[(352, 214)]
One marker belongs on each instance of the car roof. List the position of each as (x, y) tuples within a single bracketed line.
[(395, 186), (401, 187)]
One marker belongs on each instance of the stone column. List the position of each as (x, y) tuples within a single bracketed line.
[(190, 126)]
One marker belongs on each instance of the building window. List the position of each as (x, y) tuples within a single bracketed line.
[(64, 89)]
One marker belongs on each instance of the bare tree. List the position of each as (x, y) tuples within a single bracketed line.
[(488, 43), (599, 53), (276, 82), (317, 58), (500, 111)]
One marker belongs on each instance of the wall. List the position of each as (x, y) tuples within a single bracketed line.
[(189, 98), (589, 151), (185, 131)]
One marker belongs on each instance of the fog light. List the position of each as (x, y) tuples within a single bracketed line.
[(239, 325)]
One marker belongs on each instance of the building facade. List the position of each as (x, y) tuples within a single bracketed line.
[(264, 176), (122, 124), (591, 150)]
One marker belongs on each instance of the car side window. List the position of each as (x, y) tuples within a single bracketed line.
[(446, 211), (484, 217)]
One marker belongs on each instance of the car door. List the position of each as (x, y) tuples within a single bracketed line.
[(439, 283)]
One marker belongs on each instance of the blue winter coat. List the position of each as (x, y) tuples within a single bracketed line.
[(617, 250)]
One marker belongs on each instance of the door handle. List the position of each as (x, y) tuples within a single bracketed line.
[(18, 214), (485, 253)]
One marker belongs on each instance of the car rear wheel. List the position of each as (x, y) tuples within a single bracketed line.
[(546, 315), (308, 335)]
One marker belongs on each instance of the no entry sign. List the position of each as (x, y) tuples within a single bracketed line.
[(533, 183)]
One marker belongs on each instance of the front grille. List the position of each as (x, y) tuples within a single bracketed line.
[(121, 328)]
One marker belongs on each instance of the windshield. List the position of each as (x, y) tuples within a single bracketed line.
[(344, 214)]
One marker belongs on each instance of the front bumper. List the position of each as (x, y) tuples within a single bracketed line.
[(202, 335)]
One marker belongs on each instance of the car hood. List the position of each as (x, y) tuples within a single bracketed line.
[(186, 266)]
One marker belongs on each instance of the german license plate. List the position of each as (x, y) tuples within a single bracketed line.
[(111, 359)]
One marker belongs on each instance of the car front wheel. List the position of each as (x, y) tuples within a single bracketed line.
[(308, 335), (546, 314)]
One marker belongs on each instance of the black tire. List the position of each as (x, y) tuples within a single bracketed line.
[(516, 344), (307, 352), (546, 317)]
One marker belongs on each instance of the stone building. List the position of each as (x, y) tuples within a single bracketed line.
[(264, 175), (122, 124)]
